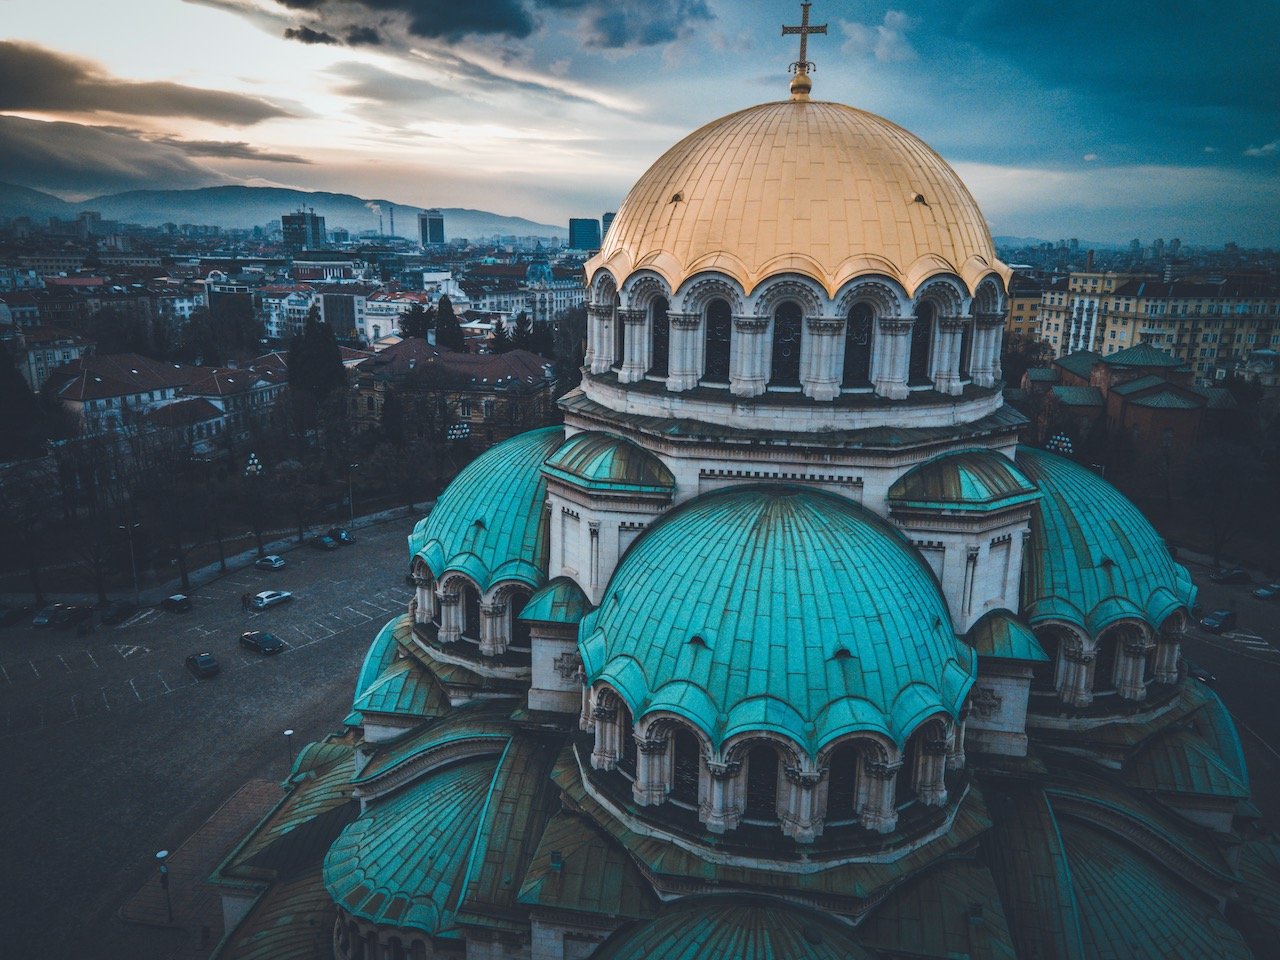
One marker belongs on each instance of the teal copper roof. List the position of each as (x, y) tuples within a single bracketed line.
[(1078, 396), (1219, 398), (403, 862), (471, 724), (282, 925), (977, 479), (599, 461), (1042, 375), (1093, 558), (1001, 635), (406, 690), (1080, 363), (381, 654), (1142, 355), (739, 926), (560, 601), (489, 521), (778, 608), (1167, 400), (1142, 383), (1182, 762)]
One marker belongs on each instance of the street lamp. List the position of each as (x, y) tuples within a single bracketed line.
[(252, 471), (133, 563), (288, 752), (351, 503), (161, 857)]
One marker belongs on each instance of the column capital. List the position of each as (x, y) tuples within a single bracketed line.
[(684, 321), (951, 324), (631, 316), (608, 714), (651, 745), (723, 769), (896, 326), (825, 326), (990, 319), (495, 609), (450, 596), (882, 770), (804, 779), (751, 324)]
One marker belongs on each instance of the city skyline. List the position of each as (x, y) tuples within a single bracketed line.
[(1098, 122)]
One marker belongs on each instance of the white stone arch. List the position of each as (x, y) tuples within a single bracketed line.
[(839, 773), (498, 616), (925, 758), (946, 292), (989, 296), (1123, 658), (693, 296), (641, 288), (1070, 669), (810, 300), (886, 297), (604, 287), (656, 771), (611, 720), (774, 291), (425, 606), (451, 592)]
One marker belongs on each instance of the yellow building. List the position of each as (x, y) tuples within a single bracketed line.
[(1074, 313), (1025, 295)]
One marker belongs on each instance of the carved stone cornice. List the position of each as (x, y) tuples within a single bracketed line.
[(685, 321), (828, 326), (723, 769), (751, 324), (896, 326), (990, 319), (881, 770), (651, 745), (631, 316)]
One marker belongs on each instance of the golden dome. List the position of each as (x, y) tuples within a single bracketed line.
[(800, 186)]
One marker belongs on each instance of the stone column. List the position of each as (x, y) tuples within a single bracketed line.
[(635, 359), (721, 807), (799, 815), (821, 358), (955, 743), (593, 554), (749, 356), (607, 747), (931, 767), (1166, 666), (599, 339), (987, 328), (946, 357), (1076, 687), (425, 598), (494, 635), (684, 365), (652, 781), (584, 716), (876, 795), (890, 357), (450, 616), (1132, 657)]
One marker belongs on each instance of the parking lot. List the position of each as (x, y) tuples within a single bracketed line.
[(115, 749)]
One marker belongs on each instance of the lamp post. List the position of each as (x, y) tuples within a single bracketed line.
[(133, 563), (351, 503), (252, 471), (161, 857), (288, 751)]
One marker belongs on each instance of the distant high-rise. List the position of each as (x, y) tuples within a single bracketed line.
[(605, 222), (584, 234), (430, 228), (303, 230)]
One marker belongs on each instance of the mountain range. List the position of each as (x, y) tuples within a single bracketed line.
[(233, 207)]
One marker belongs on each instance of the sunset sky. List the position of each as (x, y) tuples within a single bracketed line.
[(1103, 121)]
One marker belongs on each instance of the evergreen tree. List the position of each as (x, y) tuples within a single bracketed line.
[(393, 418), (501, 340), (415, 322), (541, 341), (448, 329), (21, 425), (315, 361), (524, 331)]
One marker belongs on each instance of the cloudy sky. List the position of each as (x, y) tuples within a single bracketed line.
[(1101, 120)]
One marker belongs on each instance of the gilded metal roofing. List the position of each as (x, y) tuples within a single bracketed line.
[(489, 523), (739, 926), (1093, 558), (778, 608), (975, 479), (560, 601), (600, 461), (809, 187), (1001, 635)]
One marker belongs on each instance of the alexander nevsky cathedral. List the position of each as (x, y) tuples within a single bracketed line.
[(781, 646)]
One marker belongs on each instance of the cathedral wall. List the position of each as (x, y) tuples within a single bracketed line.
[(998, 709)]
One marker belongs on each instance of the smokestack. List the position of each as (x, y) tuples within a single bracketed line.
[(392, 211)]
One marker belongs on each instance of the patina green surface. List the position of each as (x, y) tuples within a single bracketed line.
[(1167, 400), (971, 480), (481, 721), (1080, 363), (560, 601), (283, 924), (1001, 635), (490, 521), (1142, 355), (380, 655), (600, 461), (1078, 396), (404, 689), (764, 608), (1093, 558), (1142, 383), (1182, 762)]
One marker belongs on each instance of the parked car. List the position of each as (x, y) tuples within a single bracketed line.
[(324, 542), (269, 598), (1219, 621), (1269, 591), (1230, 575), (269, 562), (178, 603), (341, 535), (70, 616), (11, 615), (45, 616), (118, 611), (1199, 671), (203, 664), (261, 641)]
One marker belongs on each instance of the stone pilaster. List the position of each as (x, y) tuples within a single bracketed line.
[(955, 744), (749, 356), (987, 333), (424, 597), (635, 359), (450, 616), (584, 717), (1076, 686), (800, 816), (1166, 666), (684, 367), (608, 746), (653, 771), (931, 768), (946, 356), (821, 357), (891, 356), (876, 795), (1131, 661), (721, 806), (599, 355), (494, 635)]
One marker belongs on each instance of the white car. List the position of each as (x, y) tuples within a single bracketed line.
[(270, 562), (269, 598)]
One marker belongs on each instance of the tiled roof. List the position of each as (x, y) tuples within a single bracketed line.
[(977, 479), (1078, 396), (183, 413), (222, 381), (1219, 398), (116, 375), (1167, 400), (1042, 375), (601, 461), (1080, 363), (516, 368), (1141, 355), (1001, 635), (1135, 386)]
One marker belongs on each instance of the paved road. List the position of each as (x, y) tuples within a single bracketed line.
[(112, 750)]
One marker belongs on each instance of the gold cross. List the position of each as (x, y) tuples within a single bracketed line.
[(802, 65)]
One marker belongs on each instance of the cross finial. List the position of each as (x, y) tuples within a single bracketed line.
[(801, 68)]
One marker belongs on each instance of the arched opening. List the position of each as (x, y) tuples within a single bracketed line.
[(762, 783), (1044, 674), (470, 612), (660, 325), (719, 333), (619, 335), (686, 767), (1104, 665), (842, 783), (519, 629), (921, 344), (857, 346), (904, 787), (785, 370), (627, 742), (966, 349)]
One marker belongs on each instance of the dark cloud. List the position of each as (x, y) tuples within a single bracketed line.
[(305, 34), (227, 150), (74, 158), (634, 23), (362, 37), (33, 78)]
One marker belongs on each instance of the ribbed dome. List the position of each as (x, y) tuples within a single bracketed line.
[(777, 608), (977, 479), (604, 462), (816, 188)]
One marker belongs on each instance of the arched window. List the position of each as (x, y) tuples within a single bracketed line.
[(1104, 664), (686, 766), (470, 612), (904, 789), (519, 629), (966, 349), (762, 783), (660, 324), (921, 344), (1044, 673), (719, 332), (626, 741), (842, 782), (619, 335), (857, 346), (785, 371)]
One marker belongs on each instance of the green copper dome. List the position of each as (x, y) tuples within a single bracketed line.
[(1093, 558), (488, 523), (560, 601), (977, 480), (778, 608), (600, 461)]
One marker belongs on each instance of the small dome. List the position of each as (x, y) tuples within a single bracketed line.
[(778, 608), (560, 601), (977, 479), (601, 461), (805, 187), (488, 523), (1093, 558)]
